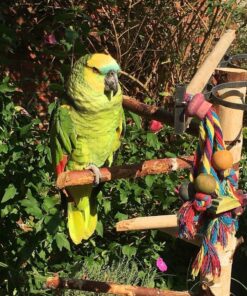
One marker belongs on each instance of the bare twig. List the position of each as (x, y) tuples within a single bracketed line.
[(206, 36), (126, 31), (197, 14), (115, 33), (154, 68), (137, 81), (136, 35)]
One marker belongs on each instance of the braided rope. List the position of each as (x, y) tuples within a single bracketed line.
[(193, 217)]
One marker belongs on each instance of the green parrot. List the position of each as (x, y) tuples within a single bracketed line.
[(85, 132)]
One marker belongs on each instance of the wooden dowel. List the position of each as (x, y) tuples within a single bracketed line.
[(165, 223), (107, 287), (203, 74), (149, 167), (153, 222), (205, 71)]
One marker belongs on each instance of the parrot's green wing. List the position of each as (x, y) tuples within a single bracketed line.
[(63, 136), (63, 141)]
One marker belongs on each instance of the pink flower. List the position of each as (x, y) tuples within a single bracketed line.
[(155, 126), (160, 263), (50, 39)]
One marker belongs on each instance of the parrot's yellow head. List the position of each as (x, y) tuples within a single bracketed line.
[(98, 72)]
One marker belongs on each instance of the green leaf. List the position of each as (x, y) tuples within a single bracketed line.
[(3, 265), (26, 128), (49, 203), (149, 180), (170, 154), (137, 119), (62, 241), (107, 206), (71, 35), (121, 216), (32, 208), (123, 196), (129, 251), (3, 148), (152, 140), (5, 87), (10, 193), (100, 229), (56, 87), (31, 205)]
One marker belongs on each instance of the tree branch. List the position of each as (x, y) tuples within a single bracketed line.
[(149, 167), (154, 112), (107, 287)]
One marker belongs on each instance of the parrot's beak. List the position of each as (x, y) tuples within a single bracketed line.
[(111, 82)]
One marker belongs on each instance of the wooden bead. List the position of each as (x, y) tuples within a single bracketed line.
[(205, 183), (222, 160), (187, 191)]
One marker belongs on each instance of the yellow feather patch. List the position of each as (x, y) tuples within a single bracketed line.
[(75, 223), (94, 80), (92, 223), (81, 222), (99, 60)]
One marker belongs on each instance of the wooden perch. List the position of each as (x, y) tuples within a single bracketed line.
[(153, 222), (148, 111), (165, 223), (149, 167), (205, 71), (107, 287), (203, 74), (154, 112)]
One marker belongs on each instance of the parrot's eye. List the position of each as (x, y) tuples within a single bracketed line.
[(95, 70)]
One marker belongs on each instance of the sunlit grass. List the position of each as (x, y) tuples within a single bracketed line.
[(123, 272)]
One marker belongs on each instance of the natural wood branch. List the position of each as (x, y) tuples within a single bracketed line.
[(154, 112), (149, 167), (107, 287), (148, 111)]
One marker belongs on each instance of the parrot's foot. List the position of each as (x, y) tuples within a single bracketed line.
[(97, 173)]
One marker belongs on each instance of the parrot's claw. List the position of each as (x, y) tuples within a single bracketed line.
[(97, 173)]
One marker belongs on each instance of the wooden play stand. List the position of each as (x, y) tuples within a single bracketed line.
[(231, 121)]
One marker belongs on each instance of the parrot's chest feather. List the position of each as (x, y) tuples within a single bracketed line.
[(96, 121), (97, 128)]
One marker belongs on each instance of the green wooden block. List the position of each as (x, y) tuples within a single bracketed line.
[(223, 204)]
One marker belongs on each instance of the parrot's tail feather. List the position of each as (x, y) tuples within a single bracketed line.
[(82, 214), (75, 218)]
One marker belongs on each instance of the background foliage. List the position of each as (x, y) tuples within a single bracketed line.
[(158, 43)]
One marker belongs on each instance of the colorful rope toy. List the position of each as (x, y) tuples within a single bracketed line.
[(211, 197)]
